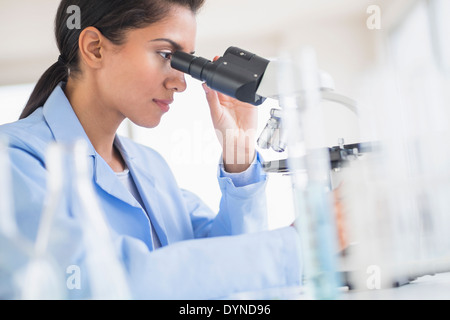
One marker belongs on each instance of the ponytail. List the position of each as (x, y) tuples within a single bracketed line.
[(47, 83)]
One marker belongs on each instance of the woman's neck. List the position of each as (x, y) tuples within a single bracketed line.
[(99, 122)]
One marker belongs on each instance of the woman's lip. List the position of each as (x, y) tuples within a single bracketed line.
[(163, 104)]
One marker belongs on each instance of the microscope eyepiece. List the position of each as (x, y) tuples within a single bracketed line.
[(237, 74), (190, 64)]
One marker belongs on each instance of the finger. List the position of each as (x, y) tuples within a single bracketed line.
[(213, 102)]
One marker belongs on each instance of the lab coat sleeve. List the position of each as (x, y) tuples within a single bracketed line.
[(214, 268), (243, 207), (249, 176)]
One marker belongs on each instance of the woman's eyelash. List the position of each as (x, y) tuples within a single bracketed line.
[(166, 55)]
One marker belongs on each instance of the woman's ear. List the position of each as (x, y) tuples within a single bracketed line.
[(91, 43)]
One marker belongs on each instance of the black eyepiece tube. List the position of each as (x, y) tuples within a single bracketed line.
[(187, 63), (237, 74)]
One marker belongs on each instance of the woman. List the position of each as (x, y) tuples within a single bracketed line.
[(117, 66)]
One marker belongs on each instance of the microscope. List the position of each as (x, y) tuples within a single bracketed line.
[(252, 79)]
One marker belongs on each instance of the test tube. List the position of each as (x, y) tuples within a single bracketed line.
[(300, 99)]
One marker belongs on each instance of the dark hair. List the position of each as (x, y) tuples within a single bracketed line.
[(112, 18)]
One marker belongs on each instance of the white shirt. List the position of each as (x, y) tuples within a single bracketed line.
[(127, 180)]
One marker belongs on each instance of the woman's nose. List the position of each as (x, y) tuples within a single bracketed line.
[(176, 81)]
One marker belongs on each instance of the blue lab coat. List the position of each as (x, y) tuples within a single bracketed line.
[(204, 255)]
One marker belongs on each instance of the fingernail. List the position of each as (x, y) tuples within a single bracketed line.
[(205, 87)]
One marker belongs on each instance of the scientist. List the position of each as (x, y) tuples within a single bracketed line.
[(117, 66)]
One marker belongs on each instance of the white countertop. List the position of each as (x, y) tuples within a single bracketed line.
[(430, 287)]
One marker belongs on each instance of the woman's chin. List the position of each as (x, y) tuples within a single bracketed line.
[(146, 123)]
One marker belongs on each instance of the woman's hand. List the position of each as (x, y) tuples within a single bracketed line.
[(340, 219), (339, 216), (235, 123)]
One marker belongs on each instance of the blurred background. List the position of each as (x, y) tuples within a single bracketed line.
[(373, 49)]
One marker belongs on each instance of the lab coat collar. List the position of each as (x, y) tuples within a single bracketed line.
[(62, 120), (126, 153), (66, 128)]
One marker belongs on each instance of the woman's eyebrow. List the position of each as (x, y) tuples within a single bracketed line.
[(174, 44)]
